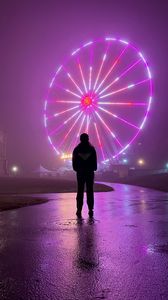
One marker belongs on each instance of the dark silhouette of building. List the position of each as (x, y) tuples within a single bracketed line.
[(3, 154)]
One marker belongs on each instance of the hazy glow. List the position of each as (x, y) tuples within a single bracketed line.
[(15, 169), (141, 162)]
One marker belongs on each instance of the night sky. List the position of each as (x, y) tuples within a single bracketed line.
[(36, 36)]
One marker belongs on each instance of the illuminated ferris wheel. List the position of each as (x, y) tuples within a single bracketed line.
[(104, 89)]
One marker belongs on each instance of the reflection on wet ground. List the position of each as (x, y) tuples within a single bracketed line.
[(122, 253)]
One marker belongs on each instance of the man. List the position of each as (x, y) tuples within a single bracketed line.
[(84, 162)]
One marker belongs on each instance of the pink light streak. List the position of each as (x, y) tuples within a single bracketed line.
[(83, 79), (112, 67), (99, 141), (119, 77), (66, 101), (87, 124), (77, 136), (125, 88), (80, 128), (64, 111), (107, 127), (121, 119), (100, 69), (70, 118), (123, 103), (78, 88), (74, 94), (90, 78), (65, 137)]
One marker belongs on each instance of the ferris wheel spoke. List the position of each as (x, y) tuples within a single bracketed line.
[(70, 118), (66, 101), (77, 136), (124, 88), (104, 147), (106, 140), (110, 70), (117, 117), (87, 124), (65, 137), (123, 103), (68, 91), (107, 127), (63, 124), (83, 79), (62, 112), (74, 82), (122, 74), (101, 66), (90, 78), (99, 141), (72, 93), (90, 68)]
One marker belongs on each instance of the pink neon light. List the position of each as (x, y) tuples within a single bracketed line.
[(70, 118), (125, 88), (65, 137), (78, 88), (66, 101), (74, 94), (90, 78), (74, 141), (119, 77), (113, 135), (112, 67), (101, 66), (83, 79), (122, 103), (121, 119), (99, 142), (64, 111)]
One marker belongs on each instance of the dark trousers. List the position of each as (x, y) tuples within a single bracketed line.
[(82, 178)]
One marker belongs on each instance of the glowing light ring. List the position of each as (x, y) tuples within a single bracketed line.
[(90, 93)]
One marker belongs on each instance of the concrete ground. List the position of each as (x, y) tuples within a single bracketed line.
[(46, 253)]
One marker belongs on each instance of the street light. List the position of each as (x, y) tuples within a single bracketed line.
[(141, 162), (15, 169)]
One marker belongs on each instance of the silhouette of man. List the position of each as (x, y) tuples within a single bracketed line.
[(84, 162)]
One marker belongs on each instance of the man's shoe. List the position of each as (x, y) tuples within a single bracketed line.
[(78, 213), (90, 213)]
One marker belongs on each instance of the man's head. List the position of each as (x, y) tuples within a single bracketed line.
[(84, 138)]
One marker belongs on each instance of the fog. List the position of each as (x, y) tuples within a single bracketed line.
[(36, 36)]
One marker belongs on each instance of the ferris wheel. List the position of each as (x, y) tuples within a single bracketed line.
[(104, 89)]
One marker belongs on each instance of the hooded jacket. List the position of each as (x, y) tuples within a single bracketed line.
[(84, 158)]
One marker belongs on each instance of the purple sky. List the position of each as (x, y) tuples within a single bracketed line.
[(36, 36)]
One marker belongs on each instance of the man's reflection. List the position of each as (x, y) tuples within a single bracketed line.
[(86, 255)]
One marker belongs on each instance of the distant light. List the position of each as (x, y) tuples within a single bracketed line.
[(14, 169), (141, 162), (167, 165), (125, 160), (66, 155)]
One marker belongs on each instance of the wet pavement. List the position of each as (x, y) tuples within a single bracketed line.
[(122, 253)]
